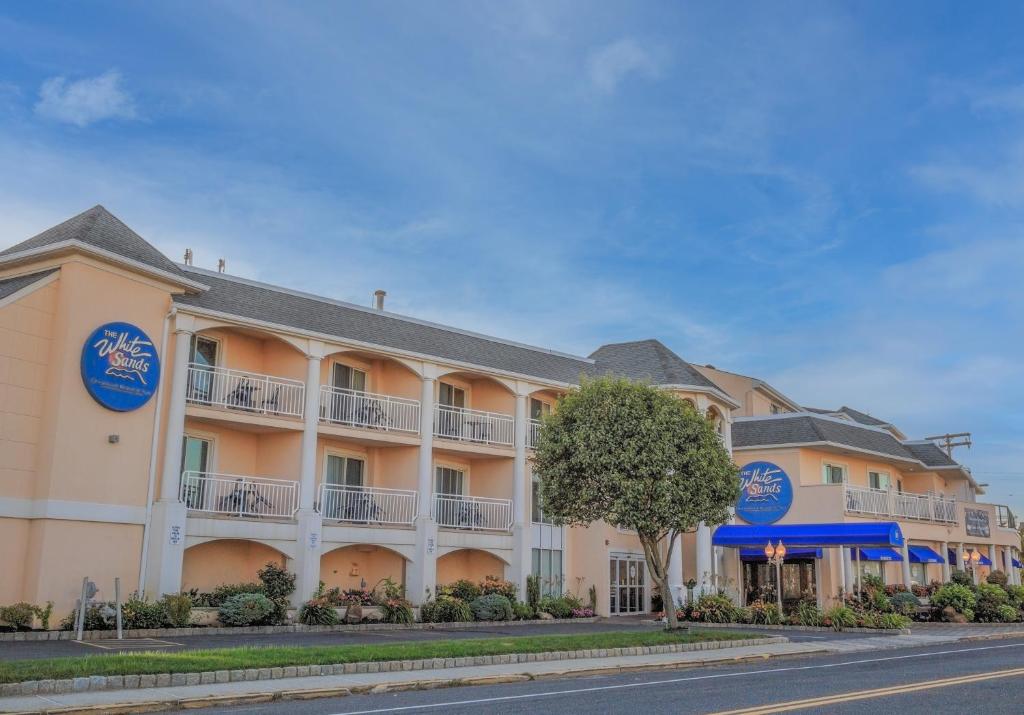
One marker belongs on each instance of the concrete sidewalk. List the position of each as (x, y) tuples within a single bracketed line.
[(170, 698)]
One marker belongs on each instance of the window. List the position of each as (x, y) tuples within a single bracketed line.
[(879, 480), (203, 358), (451, 396), (539, 409), (775, 409), (547, 567), (833, 473), (917, 574), (450, 481), (195, 463), (203, 351), (872, 568), (345, 377), (538, 515), (195, 455), (344, 471)]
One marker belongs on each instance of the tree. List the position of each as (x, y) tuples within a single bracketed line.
[(636, 457)]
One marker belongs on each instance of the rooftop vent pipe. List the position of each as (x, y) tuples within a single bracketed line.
[(378, 299)]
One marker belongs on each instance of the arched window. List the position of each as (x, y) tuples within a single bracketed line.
[(715, 418)]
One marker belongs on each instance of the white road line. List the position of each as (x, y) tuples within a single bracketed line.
[(713, 676)]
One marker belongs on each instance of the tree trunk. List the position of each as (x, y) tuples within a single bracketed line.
[(659, 573)]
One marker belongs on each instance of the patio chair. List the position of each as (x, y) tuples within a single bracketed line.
[(270, 404)]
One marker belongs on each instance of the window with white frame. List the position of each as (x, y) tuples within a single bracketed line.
[(539, 409), (833, 473), (537, 512), (873, 568), (344, 471), (346, 377), (547, 567), (917, 574), (450, 395), (879, 480), (450, 481)]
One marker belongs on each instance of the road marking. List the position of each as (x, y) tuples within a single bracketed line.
[(670, 681), (133, 644), (868, 694)]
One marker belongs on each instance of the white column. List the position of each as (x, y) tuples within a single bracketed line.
[(675, 573), (840, 567), (905, 564), (520, 567), (422, 573), (848, 579), (704, 584), (945, 562), (1007, 565), (167, 548), (959, 556), (310, 522)]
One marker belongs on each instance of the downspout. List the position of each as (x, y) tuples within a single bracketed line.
[(152, 457)]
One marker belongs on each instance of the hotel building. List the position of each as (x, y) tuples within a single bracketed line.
[(179, 428)]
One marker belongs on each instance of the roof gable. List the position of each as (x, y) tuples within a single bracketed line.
[(647, 360)]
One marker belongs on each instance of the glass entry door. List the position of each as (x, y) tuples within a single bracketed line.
[(195, 462), (628, 585)]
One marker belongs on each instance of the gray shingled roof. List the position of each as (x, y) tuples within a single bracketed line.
[(100, 228), (9, 286), (863, 417), (258, 301), (803, 429), (931, 454), (647, 360)]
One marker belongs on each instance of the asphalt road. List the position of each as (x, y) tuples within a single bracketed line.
[(18, 650), (983, 677)]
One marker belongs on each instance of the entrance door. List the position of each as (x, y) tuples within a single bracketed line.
[(760, 581), (195, 461), (628, 585), (202, 361)]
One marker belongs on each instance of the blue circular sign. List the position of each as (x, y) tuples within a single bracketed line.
[(765, 493), (120, 367)]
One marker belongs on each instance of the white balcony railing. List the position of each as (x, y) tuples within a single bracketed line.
[(533, 433), (239, 495), (475, 513), (885, 503), (365, 409), (366, 505), (244, 391), (473, 425)]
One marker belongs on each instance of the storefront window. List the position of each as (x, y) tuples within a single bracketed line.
[(547, 567), (873, 568), (917, 574)]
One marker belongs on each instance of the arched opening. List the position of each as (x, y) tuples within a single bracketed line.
[(221, 561), (361, 566), (472, 564), (714, 416)]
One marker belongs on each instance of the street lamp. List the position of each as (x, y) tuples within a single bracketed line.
[(971, 559), (775, 555)]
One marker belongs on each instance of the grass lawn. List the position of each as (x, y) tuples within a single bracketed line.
[(193, 661)]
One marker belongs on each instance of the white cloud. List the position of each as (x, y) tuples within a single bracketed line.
[(608, 66), (85, 101)]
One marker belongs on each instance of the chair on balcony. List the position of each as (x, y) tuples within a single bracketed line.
[(243, 396), (270, 404), (244, 500), (479, 430), (469, 516), (373, 415), (362, 508)]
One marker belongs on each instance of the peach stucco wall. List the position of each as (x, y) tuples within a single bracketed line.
[(468, 563), (347, 567), (226, 561)]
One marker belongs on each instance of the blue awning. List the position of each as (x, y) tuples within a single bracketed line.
[(758, 554), (985, 560), (924, 555), (1017, 564), (881, 533), (876, 555), (951, 555)]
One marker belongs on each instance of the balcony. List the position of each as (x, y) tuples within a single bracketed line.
[(238, 495), (472, 513), (888, 504), (367, 506), (458, 423), (532, 433), (1005, 518), (247, 392), (367, 410)]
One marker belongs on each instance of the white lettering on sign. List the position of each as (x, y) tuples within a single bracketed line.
[(762, 485), (175, 534), (128, 358)]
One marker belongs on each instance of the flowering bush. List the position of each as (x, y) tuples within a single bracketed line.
[(840, 617), (713, 609), (445, 609), (583, 612), (764, 613), (319, 610), (956, 596), (463, 589), (493, 584)]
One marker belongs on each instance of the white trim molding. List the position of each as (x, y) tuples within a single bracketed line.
[(71, 511)]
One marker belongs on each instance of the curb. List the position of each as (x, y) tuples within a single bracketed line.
[(163, 680), (826, 629), (430, 684), (250, 630)]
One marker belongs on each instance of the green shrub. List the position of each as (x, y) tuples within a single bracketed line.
[(493, 584), (220, 594), (592, 596), (894, 621), (533, 591), (319, 610), (1016, 595), (245, 609), (870, 582), (808, 614), (522, 611), (556, 607), (762, 613), (396, 610), (961, 578), (1008, 614), (904, 603), (138, 613), (445, 609), (278, 583), (997, 577), (840, 617), (956, 596), (19, 616), (987, 602), (177, 609), (44, 613), (743, 615), (463, 589), (492, 607), (714, 608)]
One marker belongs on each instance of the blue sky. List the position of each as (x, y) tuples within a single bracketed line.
[(827, 196)]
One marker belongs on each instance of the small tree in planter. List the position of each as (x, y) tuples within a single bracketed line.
[(639, 458)]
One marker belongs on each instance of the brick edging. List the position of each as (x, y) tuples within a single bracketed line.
[(244, 630), (131, 682)]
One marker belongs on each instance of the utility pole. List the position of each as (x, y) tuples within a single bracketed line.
[(949, 441)]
